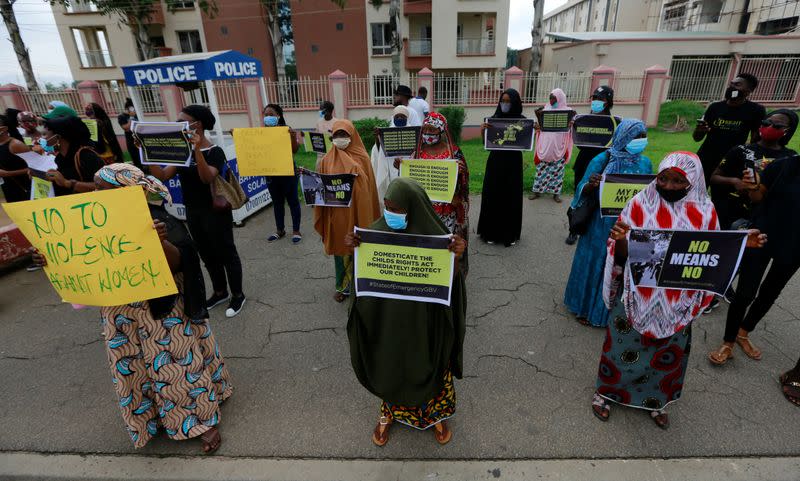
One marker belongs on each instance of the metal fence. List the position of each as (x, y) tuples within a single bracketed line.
[(536, 89), (37, 102), (629, 87), (376, 90), (480, 88), (778, 76), (701, 78), (304, 93)]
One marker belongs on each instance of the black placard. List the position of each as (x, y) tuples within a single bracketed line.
[(399, 141), (324, 190), (556, 120), (508, 134), (594, 130), (318, 142)]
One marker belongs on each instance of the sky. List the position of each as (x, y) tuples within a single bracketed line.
[(39, 33)]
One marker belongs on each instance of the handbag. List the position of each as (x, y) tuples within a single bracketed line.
[(227, 192), (580, 217)]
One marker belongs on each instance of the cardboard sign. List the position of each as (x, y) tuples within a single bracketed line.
[(594, 130), (91, 124), (101, 248), (163, 143), (264, 151), (399, 141), (317, 142), (438, 177), (616, 190), (41, 188), (403, 266), (508, 134), (556, 120), (334, 190), (686, 260)]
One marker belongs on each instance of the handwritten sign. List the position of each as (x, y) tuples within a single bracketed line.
[(41, 188), (438, 177), (264, 151), (101, 248), (91, 124)]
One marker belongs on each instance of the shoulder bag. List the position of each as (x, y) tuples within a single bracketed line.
[(580, 217), (227, 192)]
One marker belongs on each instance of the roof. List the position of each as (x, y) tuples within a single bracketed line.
[(566, 6), (192, 67), (600, 36)]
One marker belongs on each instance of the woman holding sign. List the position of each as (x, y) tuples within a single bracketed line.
[(553, 151), (584, 293), (334, 223), (68, 138), (646, 350), (107, 145), (407, 352), (283, 189)]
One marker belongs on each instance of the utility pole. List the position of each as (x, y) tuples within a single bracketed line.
[(23, 57)]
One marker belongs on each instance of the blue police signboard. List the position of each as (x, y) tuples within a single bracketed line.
[(193, 67)]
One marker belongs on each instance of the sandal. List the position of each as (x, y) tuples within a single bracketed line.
[(749, 349), (380, 436), (721, 355), (583, 321), (276, 236), (442, 433), (296, 238), (791, 389), (661, 419), (600, 408), (211, 440)]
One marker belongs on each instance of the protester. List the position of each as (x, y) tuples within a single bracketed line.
[(283, 189), (60, 111), (107, 145), (436, 144), (54, 104), (130, 109), (27, 122), (778, 189), (164, 359), (325, 123), (727, 123), (16, 185), (211, 228), (386, 168), (68, 138), (124, 121), (584, 293), (334, 223), (407, 352), (418, 103), (501, 198), (646, 350), (602, 103), (402, 96), (790, 384), (553, 152)]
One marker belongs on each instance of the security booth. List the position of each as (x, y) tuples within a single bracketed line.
[(196, 72)]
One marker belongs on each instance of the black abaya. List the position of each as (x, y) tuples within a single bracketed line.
[(501, 202)]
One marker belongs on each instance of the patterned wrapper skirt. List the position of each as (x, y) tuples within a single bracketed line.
[(166, 372), (549, 177), (344, 273), (641, 372), (433, 412)]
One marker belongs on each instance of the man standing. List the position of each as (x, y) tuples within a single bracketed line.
[(402, 96), (727, 123), (419, 105)]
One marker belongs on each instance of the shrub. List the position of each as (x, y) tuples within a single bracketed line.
[(455, 120), (680, 114), (366, 129)]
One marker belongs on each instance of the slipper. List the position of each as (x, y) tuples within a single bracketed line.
[(444, 436), (296, 238), (380, 436), (600, 408), (749, 349), (276, 236)]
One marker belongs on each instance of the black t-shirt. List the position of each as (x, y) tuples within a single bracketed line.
[(88, 164), (196, 194), (780, 217), (132, 149), (730, 126), (15, 188)]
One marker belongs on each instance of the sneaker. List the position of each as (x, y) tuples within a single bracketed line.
[(714, 304), (276, 236), (33, 268), (216, 300), (235, 306), (571, 239)]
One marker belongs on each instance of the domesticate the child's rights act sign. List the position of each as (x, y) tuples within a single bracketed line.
[(101, 248), (404, 266), (438, 177)]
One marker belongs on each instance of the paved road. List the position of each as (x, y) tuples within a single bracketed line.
[(530, 369)]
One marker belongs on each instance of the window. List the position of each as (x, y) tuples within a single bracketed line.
[(381, 39), (182, 5), (775, 27), (92, 46), (81, 7), (224, 30), (190, 41), (340, 26), (383, 88)]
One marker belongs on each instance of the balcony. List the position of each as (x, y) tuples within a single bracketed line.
[(475, 46), (95, 58), (411, 7), (420, 47)]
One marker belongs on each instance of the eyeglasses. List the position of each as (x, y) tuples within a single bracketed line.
[(771, 123)]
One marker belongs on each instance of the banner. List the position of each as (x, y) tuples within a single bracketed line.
[(264, 151), (317, 142), (334, 190), (163, 143), (399, 141), (677, 259), (91, 124), (438, 177), (617, 189), (404, 266), (508, 134), (590, 130), (101, 247), (556, 120)]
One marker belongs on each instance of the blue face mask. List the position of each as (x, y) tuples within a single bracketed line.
[(598, 106), (271, 121), (47, 148), (400, 122), (636, 146), (395, 221), (555, 105), (322, 114)]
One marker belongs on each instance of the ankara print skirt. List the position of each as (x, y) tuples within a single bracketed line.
[(433, 412), (549, 177), (167, 373), (641, 372)]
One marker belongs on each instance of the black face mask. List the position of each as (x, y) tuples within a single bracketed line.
[(672, 195), (729, 94)]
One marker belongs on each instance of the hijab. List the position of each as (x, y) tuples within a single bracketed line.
[(516, 106), (401, 110), (357, 152), (657, 312), (626, 131), (411, 196), (553, 146)]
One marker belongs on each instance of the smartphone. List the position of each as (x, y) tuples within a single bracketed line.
[(750, 166)]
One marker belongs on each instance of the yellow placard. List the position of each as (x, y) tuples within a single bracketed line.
[(101, 248), (438, 177), (264, 151), (41, 189), (92, 125)]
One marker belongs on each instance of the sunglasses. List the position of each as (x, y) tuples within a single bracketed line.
[(770, 123)]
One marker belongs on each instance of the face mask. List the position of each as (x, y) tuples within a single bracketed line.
[(555, 105), (341, 142), (395, 221), (598, 106), (431, 139), (399, 122), (770, 133), (671, 195), (322, 114), (89, 113), (40, 129), (505, 107), (732, 93), (131, 109), (270, 121), (636, 146), (44, 145)]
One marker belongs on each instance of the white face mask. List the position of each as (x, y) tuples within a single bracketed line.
[(341, 142)]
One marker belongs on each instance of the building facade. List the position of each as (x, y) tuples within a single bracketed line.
[(760, 17), (603, 16)]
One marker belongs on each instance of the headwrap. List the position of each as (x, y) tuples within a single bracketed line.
[(401, 110), (657, 312), (627, 130), (554, 146), (26, 116), (123, 175), (516, 106)]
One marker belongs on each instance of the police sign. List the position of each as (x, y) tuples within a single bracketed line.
[(223, 65)]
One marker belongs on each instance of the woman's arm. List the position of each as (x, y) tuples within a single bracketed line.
[(295, 145), (163, 173), (619, 233), (206, 171)]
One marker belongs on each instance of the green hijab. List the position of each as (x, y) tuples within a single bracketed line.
[(401, 349)]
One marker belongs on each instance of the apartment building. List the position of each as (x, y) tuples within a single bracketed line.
[(603, 16), (760, 17), (97, 46)]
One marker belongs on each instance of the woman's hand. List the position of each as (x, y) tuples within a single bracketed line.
[(352, 240), (620, 231), (594, 182), (397, 162), (194, 139), (755, 239), (457, 245), (38, 149), (38, 258), (161, 229), (137, 141), (57, 178), (750, 179)]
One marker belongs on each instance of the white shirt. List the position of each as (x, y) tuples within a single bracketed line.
[(419, 106)]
